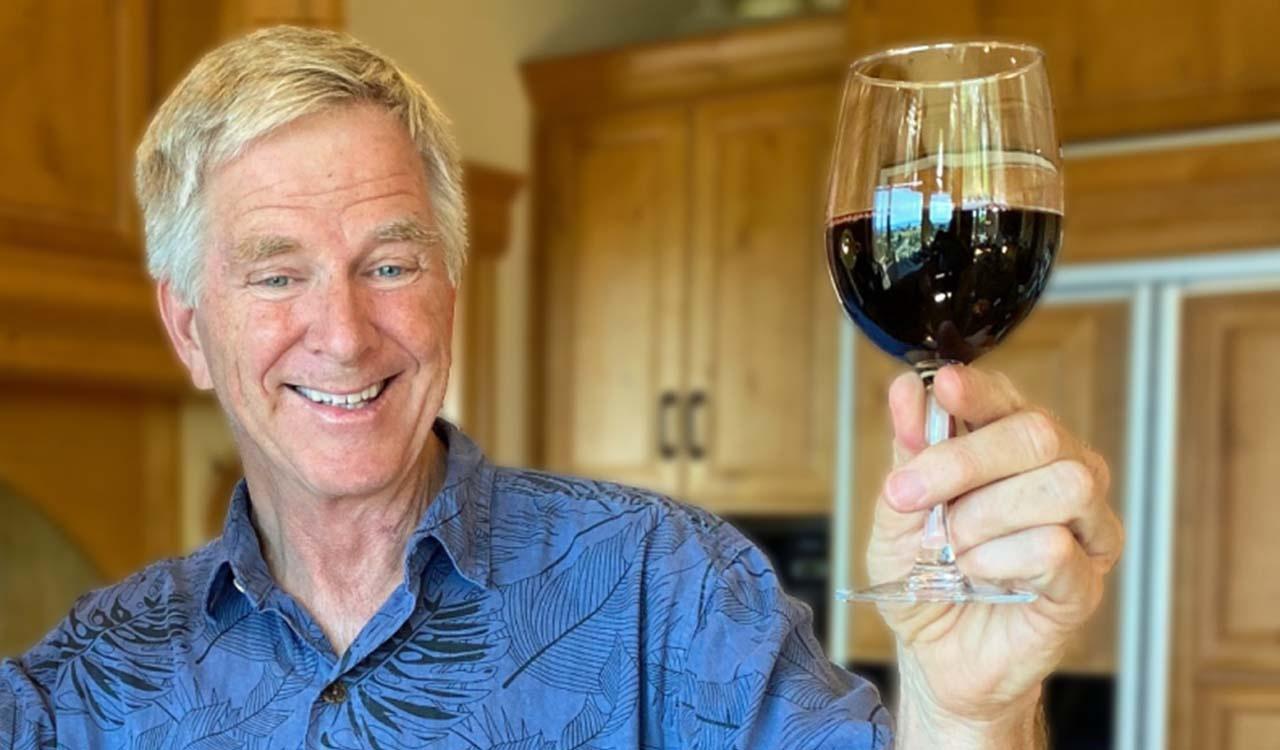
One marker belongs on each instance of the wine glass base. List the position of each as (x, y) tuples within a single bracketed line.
[(965, 591)]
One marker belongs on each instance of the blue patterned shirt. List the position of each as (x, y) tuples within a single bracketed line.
[(537, 612)]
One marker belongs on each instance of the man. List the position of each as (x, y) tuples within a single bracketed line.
[(379, 584)]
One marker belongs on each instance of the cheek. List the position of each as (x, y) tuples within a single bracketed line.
[(427, 327), (256, 339)]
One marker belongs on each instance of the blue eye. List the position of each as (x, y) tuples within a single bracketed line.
[(275, 282), (389, 272)]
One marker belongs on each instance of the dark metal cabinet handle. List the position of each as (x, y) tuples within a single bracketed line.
[(697, 400), (666, 403)]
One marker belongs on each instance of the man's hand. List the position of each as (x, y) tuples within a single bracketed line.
[(1029, 506)]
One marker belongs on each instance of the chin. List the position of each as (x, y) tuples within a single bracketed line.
[(347, 486), (348, 478)]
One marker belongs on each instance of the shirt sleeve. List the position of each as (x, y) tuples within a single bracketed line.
[(755, 675), (26, 723)]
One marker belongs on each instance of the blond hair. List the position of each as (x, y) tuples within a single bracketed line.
[(248, 88)]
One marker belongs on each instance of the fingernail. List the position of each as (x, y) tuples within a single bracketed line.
[(906, 489)]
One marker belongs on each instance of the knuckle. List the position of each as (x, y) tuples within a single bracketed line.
[(1076, 484), (1040, 431), (1005, 383), (966, 465), (1059, 546)]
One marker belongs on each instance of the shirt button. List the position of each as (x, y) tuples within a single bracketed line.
[(334, 694)]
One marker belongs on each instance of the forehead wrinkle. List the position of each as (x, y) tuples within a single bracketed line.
[(347, 186)]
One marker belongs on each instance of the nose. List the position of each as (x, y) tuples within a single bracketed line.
[(341, 327)]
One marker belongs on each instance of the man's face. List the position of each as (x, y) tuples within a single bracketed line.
[(326, 316)]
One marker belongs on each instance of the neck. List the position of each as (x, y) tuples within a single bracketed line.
[(341, 557)]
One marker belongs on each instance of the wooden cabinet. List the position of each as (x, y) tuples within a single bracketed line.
[(689, 330), (1071, 359), (1227, 593), (90, 393), (687, 325), (761, 317), (1115, 67), (615, 210), (1237, 718)]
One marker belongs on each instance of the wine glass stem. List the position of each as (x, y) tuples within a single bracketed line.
[(935, 546)]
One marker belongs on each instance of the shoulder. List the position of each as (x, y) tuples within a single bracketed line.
[(536, 507), (146, 616)]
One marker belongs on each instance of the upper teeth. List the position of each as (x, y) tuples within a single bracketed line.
[(348, 401)]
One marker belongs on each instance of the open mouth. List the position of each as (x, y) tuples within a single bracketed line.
[(348, 401)]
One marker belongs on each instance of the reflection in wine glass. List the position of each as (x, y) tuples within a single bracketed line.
[(943, 221)]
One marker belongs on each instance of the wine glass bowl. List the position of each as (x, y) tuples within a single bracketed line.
[(943, 220)]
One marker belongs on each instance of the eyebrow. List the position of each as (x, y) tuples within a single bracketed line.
[(263, 247), (405, 230)]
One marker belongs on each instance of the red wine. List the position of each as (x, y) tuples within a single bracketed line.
[(943, 287)]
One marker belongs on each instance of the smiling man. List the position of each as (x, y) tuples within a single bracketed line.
[(379, 584)]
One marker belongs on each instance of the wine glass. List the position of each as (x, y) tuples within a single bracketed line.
[(943, 220)]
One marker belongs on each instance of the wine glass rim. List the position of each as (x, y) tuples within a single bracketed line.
[(859, 66)]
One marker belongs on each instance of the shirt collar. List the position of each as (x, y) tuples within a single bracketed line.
[(457, 518)]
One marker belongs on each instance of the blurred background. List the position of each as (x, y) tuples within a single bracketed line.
[(647, 300)]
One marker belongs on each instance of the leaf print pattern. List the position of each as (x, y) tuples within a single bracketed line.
[(565, 620), (211, 722), (240, 630), (428, 677), (115, 651), (713, 714), (537, 613)]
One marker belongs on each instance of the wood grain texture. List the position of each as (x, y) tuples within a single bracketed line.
[(96, 462), (91, 321), (1238, 717), (762, 323), (1116, 68), (789, 52), (1068, 359), (616, 195), (239, 16), (1227, 614), (1200, 199), (490, 193), (66, 174)]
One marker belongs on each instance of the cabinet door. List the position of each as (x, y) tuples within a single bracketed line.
[(1115, 67), (762, 315), (1227, 593), (614, 228), (1070, 359), (1241, 717)]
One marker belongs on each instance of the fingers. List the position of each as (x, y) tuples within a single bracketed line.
[(976, 396), (1066, 493), (1017, 443), (906, 406), (1048, 560)]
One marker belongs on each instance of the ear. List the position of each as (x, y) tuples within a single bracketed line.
[(180, 323)]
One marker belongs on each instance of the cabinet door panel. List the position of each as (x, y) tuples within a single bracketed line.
[(615, 232), (1115, 68), (1227, 594), (1071, 360), (1239, 718), (67, 162), (762, 316)]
